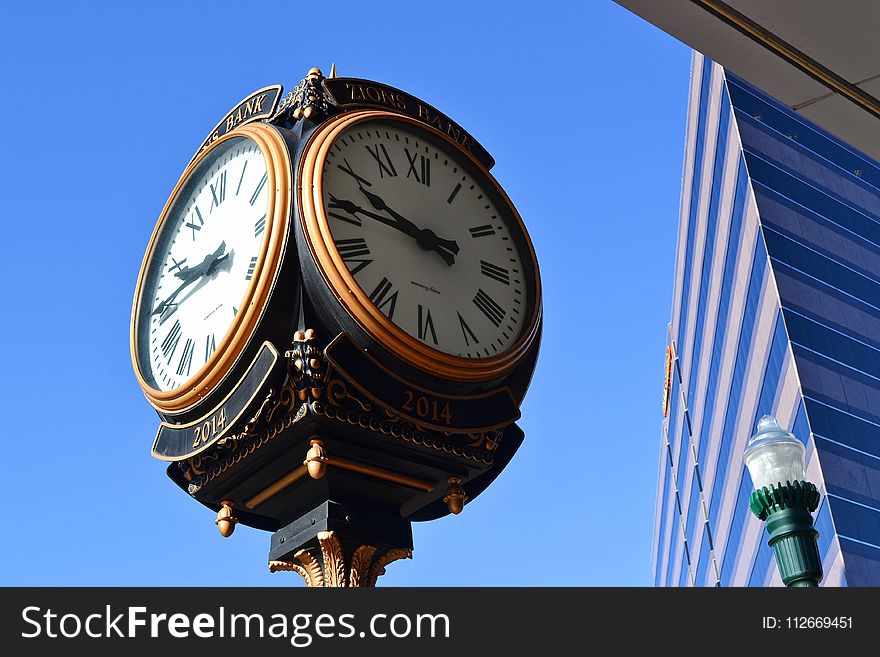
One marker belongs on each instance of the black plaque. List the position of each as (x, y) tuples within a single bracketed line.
[(448, 413), (259, 105), (356, 92), (175, 442)]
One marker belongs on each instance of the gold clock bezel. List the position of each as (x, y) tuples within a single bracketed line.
[(349, 293), (230, 348)]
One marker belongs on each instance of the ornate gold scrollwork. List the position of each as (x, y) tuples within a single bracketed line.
[(488, 440), (311, 386), (338, 392), (333, 571), (245, 447), (253, 425)]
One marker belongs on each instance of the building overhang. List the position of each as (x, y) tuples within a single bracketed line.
[(820, 58)]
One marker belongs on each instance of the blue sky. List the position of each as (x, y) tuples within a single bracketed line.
[(581, 104)]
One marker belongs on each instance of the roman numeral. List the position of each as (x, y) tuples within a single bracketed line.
[(454, 192), (251, 267), (169, 344), (352, 219), (210, 346), (259, 189), (426, 325), (346, 206), (500, 274), (482, 231), (241, 177), (489, 307), (192, 223), (466, 331), (186, 358), (218, 194), (386, 167), (352, 248), (381, 297), (424, 167), (260, 226), (166, 313), (176, 265), (351, 251)]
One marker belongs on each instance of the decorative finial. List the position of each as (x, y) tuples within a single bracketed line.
[(332, 71), (768, 423), (309, 99), (316, 459), (306, 366), (226, 519), (455, 496)]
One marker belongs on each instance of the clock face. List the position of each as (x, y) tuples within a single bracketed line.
[(428, 239), (202, 263)]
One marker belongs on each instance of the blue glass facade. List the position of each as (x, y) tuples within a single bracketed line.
[(776, 309)]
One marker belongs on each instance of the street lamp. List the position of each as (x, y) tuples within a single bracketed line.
[(785, 499)]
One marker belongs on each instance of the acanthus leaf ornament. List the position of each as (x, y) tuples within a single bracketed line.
[(333, 570), (308, 568), (334, 559), (378, 569), (360, 566)]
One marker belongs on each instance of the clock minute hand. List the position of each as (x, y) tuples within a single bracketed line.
[(405, 227), (426, 238), (354, 209), (162, 307), (190, 275)]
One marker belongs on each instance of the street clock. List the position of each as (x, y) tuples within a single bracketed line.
[(337, 317)]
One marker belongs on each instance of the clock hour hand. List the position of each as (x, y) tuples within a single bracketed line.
[(210, 261), (191, 275), (426, 237)]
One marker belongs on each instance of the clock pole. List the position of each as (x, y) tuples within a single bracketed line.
[(336, 545)]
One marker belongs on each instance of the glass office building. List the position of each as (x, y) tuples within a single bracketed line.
[(776, 310)]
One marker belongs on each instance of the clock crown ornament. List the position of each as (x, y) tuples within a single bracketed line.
[(309, 99), (337, 319)]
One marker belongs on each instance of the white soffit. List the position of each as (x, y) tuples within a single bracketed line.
[(783, 46)]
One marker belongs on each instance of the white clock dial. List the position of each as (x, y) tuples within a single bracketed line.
[(202, 264), (418, 228)]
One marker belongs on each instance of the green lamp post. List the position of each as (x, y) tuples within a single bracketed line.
[(784, 499)]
